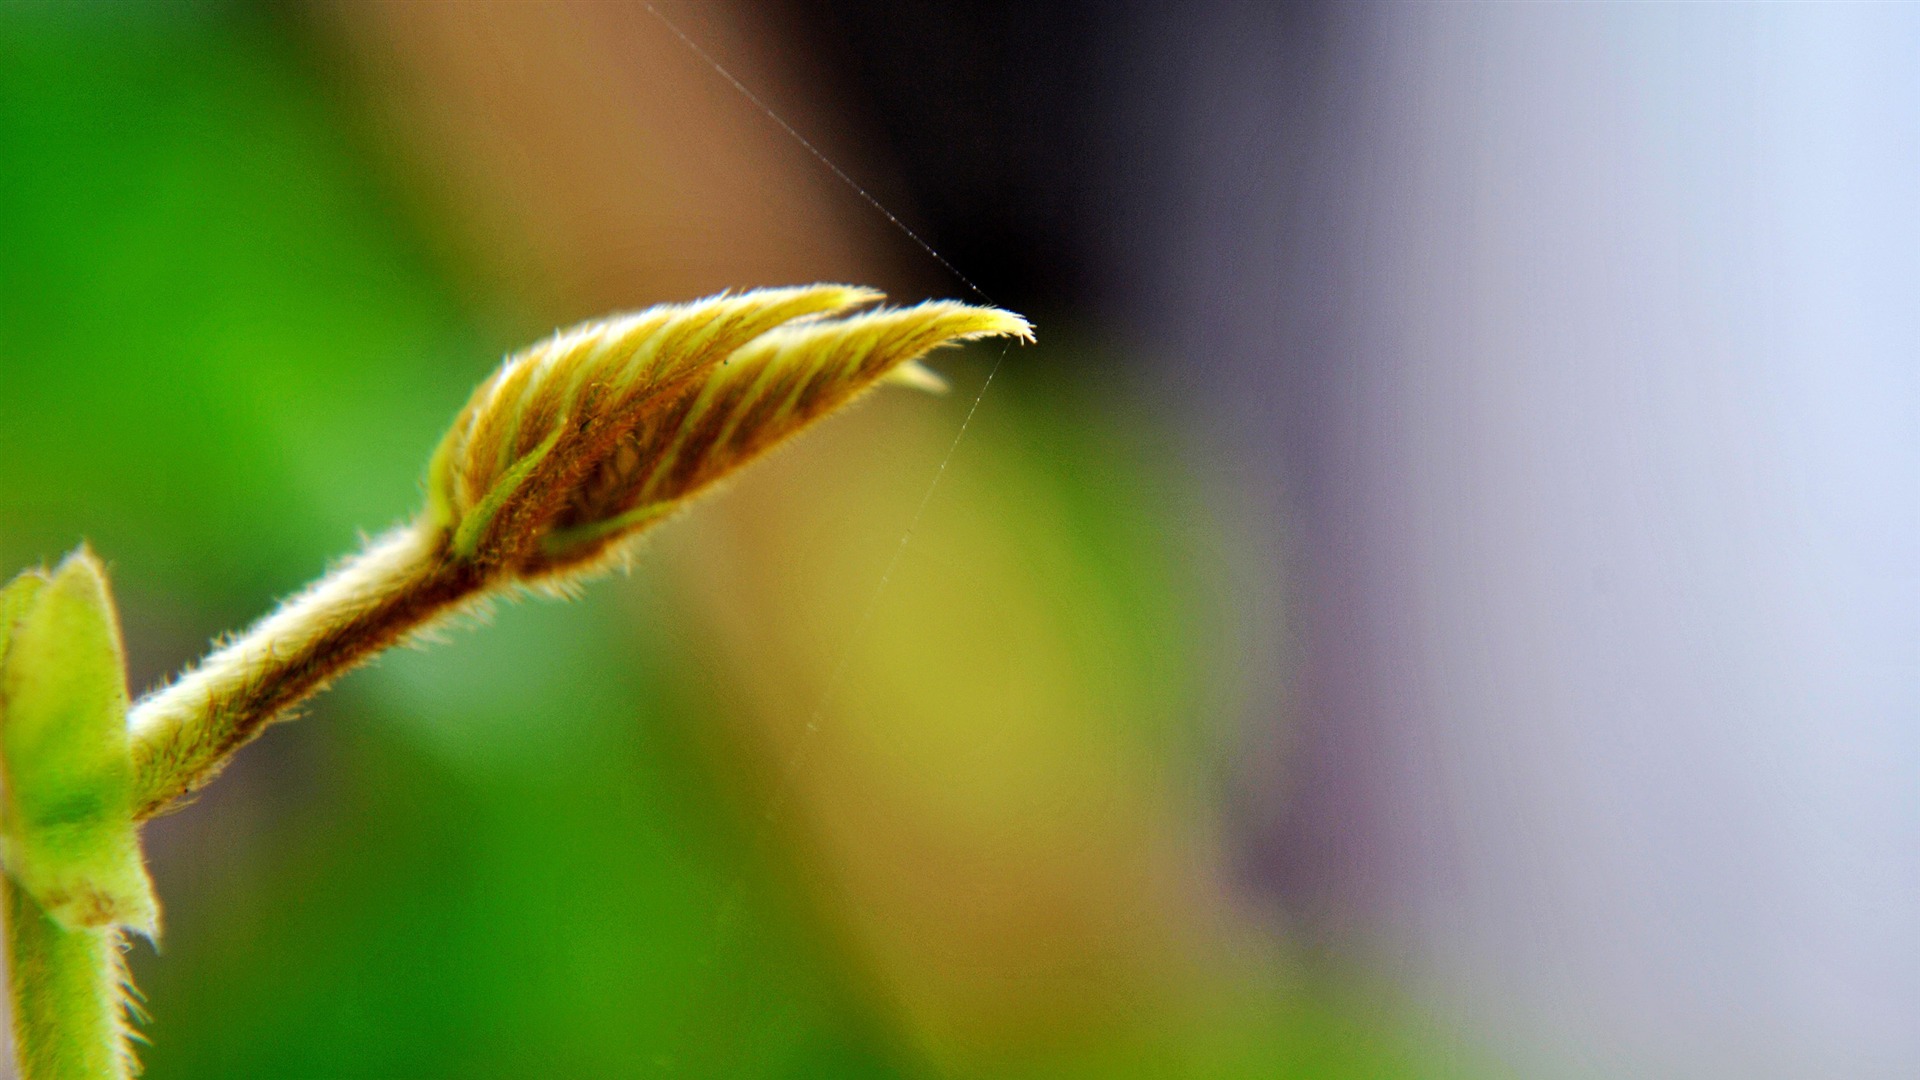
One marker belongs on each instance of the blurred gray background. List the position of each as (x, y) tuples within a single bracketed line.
[(1574, 353)]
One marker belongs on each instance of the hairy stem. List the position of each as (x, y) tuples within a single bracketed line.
[(184, 732), (68, 993)]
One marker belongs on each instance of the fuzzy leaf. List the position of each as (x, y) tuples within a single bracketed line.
[(70, 996), (551, 413), (589, 436), (68, 831), (18, 595)]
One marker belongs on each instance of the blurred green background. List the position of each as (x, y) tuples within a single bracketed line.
[(251, 261)]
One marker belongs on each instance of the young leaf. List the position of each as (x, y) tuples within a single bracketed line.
[(68, 836), (549, 415), (69, 993), (18, 595), (588, 437)]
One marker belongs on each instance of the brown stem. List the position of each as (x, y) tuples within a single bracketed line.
[(184, 733)]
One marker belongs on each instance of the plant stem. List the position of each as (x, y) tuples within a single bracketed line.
[(69, 995), (185, 732)]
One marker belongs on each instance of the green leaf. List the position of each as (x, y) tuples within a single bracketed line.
[(68, 836), (69, 993), (15, 599)]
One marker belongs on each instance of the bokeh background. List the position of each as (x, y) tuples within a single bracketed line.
[(1442, 599)]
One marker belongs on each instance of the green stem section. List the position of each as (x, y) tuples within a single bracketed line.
[(184, 733), (69, 992)]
